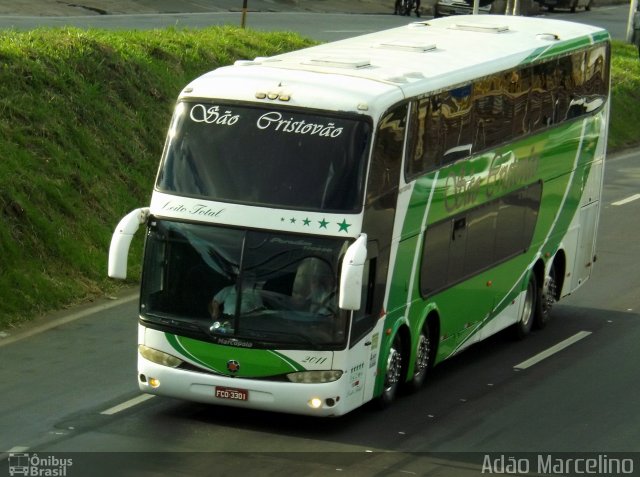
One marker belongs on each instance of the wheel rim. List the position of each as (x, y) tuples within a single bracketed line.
[(549, 295), (394, 365), (422, 356), (527, 311)]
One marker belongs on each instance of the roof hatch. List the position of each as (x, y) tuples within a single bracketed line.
[(481, 27), (339, 62), (415, 46)]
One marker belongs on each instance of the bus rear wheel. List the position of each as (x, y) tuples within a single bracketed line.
[(393, 373), (423, 359), (546, 300), (528, 314)]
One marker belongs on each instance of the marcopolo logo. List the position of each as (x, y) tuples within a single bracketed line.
[(41, 466)]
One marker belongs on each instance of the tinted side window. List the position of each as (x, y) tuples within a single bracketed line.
[(542, 102), (435, 258), (501, 107), (481, 237), (456, 128), (517, 215), (384, 176), (425, 151), (596, 81), (520, 91), (458, 248)]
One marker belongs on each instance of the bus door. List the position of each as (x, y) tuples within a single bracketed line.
[(378, 223), (363, 341)]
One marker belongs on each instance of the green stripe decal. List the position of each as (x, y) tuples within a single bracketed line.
[(584, 158), (561, 158), (565, 47), (254, 363)]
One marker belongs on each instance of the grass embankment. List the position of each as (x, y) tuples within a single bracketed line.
[(83, 117), (625, 94)]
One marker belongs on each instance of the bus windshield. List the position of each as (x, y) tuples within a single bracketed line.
[(267, 288), (266, 157)]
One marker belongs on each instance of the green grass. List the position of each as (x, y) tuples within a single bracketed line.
[(83, 116), (625, 94)]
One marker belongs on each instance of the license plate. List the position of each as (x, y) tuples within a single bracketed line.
[(232, 393)]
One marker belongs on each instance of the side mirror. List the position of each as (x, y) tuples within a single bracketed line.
[(121, 241), (351, 274)]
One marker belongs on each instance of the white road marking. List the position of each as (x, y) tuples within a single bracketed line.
[(553, 350), (17, 449), (627, 200), (127, 404)]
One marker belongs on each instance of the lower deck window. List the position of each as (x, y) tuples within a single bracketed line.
[(465, 245)]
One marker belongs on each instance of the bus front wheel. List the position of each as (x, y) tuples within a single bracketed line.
[(393, 372)]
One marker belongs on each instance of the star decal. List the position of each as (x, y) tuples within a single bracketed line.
[(344, 226), (322, 224)]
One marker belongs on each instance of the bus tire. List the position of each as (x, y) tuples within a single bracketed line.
[(528, 314), (423, 359), (392, 373), (546, 300)]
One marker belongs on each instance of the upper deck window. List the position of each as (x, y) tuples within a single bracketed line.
[(266, 157)]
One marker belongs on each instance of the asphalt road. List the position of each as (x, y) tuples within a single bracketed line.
[(612, 17)]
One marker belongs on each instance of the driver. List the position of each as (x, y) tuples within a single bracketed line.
[(224, 302)]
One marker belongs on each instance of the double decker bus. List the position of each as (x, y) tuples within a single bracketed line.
[(328, 224)]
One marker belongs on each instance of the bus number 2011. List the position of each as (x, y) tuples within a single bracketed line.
[(314, 359)]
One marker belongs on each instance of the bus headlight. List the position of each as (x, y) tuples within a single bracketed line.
[(315, 403), (315, 376), (159, 357)]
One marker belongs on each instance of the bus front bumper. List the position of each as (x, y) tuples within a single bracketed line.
[(313, 399)]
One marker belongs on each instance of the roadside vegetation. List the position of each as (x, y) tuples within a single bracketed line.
[(83, 116), (625, 97)]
